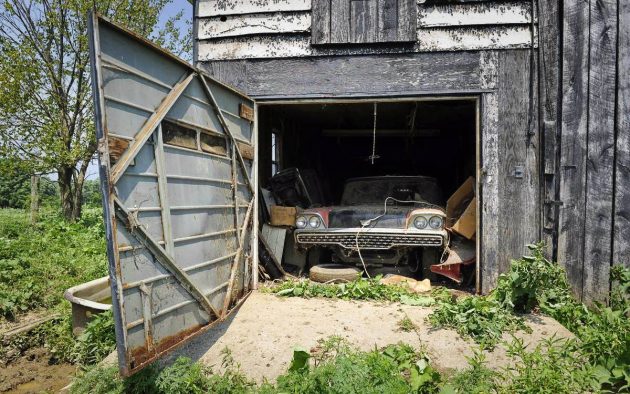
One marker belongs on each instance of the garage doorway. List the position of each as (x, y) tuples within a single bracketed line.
[(342, 140)]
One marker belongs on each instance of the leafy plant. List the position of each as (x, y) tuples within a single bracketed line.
[(98, 380), (183, 377), (97, 341), (38, 263), (359, 289), (481, 318)]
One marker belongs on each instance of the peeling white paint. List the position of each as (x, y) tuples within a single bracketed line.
[(241, 25), (436, 39), (471, 14), (209, 8)]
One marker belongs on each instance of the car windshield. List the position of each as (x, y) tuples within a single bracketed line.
[(375, 190)]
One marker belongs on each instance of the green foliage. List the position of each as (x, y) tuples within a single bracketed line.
[(15, 189), (553, 366), (405, 324), (533, 281), (38, 263), (335, 367), (97, 340), (339, 368), (183, 377), (476, 379), (359, 289), (47, 122), (98, 380), (481, 318)]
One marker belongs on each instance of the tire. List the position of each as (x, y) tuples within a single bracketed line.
[(333, 273)]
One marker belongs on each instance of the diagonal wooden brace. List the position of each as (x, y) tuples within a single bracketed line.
[(219, 114), (237, 258), (149, 126), (163, 257)]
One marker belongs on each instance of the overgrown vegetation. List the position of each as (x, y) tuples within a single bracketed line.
[(334, 367), (38, 263), (359, 289), (597, 360)]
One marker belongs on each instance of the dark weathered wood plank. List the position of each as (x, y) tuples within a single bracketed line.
[(600, 151), (573, 141), (340, 21), (230, 72), (363, 21), (549, 81), (320, 22), (517, 152), (387, 27), (488, 175), (407, 19), (621, 238), (336, 76)]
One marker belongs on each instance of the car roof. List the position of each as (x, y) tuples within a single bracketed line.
[(393, 177)]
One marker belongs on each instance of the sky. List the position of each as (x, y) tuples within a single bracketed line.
[(171, 9)]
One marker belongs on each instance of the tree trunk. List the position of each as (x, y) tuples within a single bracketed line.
[(34, 198), (66, 193)]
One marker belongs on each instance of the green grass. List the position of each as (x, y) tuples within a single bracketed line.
[(38, 263)]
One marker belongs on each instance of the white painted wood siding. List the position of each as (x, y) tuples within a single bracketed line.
[(251, 29), (242, 25), (209, 8), (254, 47), (474, 14)]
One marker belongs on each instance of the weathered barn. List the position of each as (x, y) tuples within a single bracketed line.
[(531, 99), (549, 79)]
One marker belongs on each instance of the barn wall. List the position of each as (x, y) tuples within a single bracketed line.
[(585, 111), (254, 29)]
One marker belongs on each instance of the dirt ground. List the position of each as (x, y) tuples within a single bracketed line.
[(32, 373), (262, 334)]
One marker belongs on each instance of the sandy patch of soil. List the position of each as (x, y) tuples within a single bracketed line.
[(263, 333), (33, 373)]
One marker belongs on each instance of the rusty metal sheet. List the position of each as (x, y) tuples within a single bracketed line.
[(177, 211)]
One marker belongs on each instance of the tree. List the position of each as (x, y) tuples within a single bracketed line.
[(46, 114)]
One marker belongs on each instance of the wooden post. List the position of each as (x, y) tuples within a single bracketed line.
[(34, 198)]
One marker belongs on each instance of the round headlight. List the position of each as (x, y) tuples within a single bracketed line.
[(300, 222), (314, 221), (420, 222), (436, 222)]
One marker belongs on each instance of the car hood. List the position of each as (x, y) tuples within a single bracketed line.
[(351, 216)]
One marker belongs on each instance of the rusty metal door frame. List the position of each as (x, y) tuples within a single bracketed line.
[(474, 96)]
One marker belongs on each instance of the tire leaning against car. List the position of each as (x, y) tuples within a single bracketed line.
[(333, 273)]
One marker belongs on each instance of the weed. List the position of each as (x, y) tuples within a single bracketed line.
[(37, 263), (183, 377), (405, 324), (98, 380), (96, 341), (359, 289), (481, 318), (477, 379)]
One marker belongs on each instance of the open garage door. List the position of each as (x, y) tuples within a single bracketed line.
[(176, 152)]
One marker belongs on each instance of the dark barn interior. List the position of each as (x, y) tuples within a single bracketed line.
[(432, 138)]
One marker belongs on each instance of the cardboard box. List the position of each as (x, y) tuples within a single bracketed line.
[(283, 216), (458, 202), (466, 225)]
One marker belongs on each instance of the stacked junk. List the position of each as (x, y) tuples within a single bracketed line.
[(292, 190)]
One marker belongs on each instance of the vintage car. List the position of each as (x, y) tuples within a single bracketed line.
[(384, 220)]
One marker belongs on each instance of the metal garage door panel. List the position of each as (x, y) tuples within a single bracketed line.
[(178, 194)]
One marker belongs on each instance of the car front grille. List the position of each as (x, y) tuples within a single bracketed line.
[(369, 240)]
